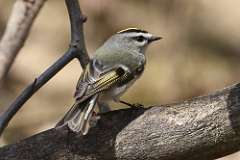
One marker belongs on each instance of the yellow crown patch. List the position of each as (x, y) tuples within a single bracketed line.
[(129, 30)]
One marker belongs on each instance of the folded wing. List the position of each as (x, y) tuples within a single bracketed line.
[(97, 78)]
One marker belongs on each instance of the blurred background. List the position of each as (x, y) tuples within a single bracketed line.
[(199, 54)]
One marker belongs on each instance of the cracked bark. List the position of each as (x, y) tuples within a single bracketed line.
[(205, 127)]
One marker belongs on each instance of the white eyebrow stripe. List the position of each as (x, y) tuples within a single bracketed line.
[(148, 35)]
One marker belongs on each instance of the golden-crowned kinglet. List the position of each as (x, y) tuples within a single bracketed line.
[(115, 66)]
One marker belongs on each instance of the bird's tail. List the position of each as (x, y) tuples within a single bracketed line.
[(78, 117)]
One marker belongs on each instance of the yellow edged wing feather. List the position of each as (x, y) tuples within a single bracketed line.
[(91, 82)]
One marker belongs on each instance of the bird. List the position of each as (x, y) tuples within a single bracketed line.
[(114, 67)]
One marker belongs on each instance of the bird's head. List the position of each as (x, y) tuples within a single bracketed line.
[(132, 39)]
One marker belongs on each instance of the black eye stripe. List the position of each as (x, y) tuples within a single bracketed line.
[(140, 38)]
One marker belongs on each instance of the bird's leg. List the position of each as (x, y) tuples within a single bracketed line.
[(136, 105)]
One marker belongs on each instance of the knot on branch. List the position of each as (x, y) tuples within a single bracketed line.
[(83, 18)]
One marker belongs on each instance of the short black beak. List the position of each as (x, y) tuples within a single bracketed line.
[(154, 38)]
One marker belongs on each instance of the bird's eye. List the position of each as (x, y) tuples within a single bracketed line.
[(140, 38)]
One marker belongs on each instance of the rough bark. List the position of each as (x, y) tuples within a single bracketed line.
[(205, 127), (19, 24)]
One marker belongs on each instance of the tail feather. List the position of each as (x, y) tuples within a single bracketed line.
[(78, 117)]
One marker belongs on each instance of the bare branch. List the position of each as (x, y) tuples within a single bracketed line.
[(77, 50), (77, 34), (205, 127), (19, 24)]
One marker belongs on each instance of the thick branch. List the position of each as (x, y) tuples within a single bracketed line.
[(19, 24), (202, 128), (77, 49)]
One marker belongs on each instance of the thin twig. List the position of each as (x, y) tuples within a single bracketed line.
[(18, 27), (77, 50)]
